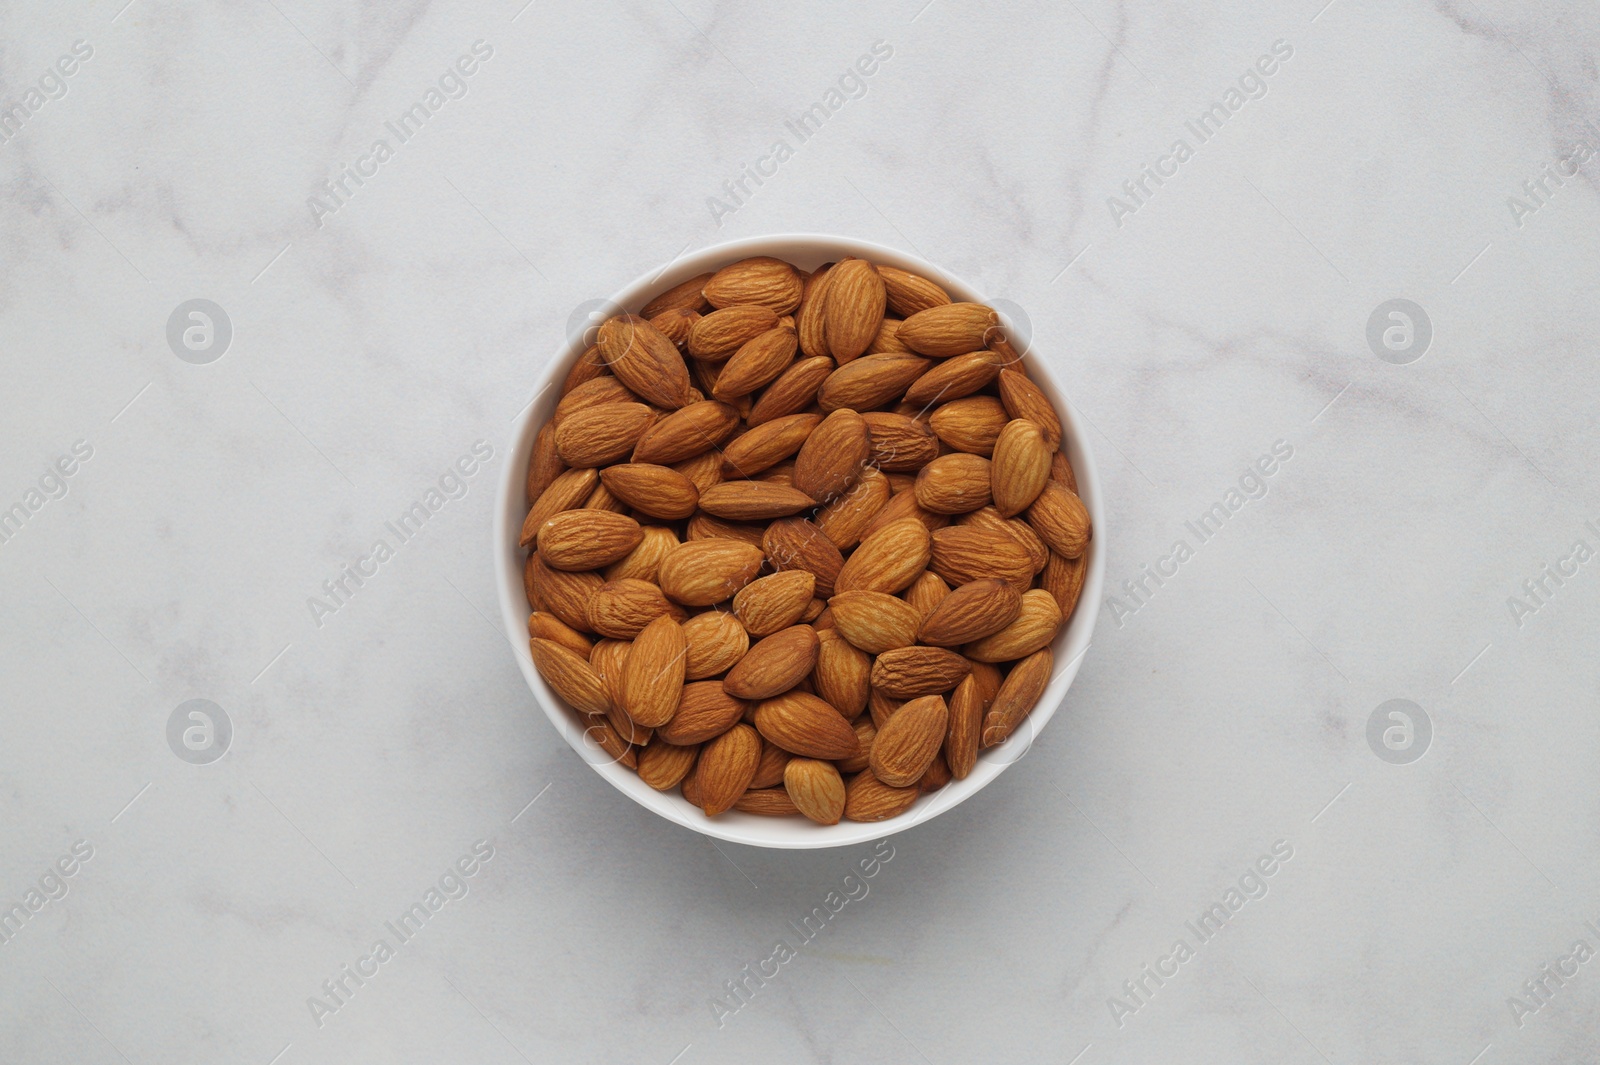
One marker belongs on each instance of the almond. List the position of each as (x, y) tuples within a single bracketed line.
[(644, 360), (899, 443), (887, 560), (622, 608), (1061, 470), (774, 664), (793, 391), (1023, 399), (1034, 627), (866, 798), (1016, 528), (870, 382), (675, 325), (971, 612), (874, 621), (951, 329), (567, 491), (966, 722), (703, 470), (1061, 520), (596, 436), (805, 725), (775, 602), (1063, 579), (972, 424), (955, 484), (888, 339), (702, 572), (566, 595), (843, 674), (905, 747), (587, 539), (909, 293), (902, 506), (571, 677), (758, 362), (767, 444), (782, 473), (910, 672), (865, 732), (592, 394), (656, 491), (1021, 690), (954, 378), (816, 789), (691, 788), (704, 527), (962, 554), (544, 463), (654, 680), (936, 776), (989, 680), (881, 707), (798, 544), (599, 731), (761, 279), (631, 732), (855, 299), (602, 499), (809, 318), (833, 456), (642, 562), (769, 771), (845, 520), (716, 641), (683, 434), (609, 659), (663, 765), (753, 501), (725, 767), (926, 593), (543, 626), (718, 335), (704, 712), (1020, 467), (766, 802), (585, 367)]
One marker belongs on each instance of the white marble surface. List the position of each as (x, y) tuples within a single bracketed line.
[(1224, 314)]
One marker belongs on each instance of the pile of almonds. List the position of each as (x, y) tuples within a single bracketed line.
[(799, 543)]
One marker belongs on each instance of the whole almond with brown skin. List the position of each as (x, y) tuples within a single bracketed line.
[(704, 527), (1021, 690), (774, 602), (954, 484), (685, 295), (972, 424), (703, 470), (609, 659), (798, 544), (753, 501), (704, 711), (760, 279), (593, 393), (757, 362), (793, 391), (702, 572), (766, 802), (544, 463), (769, 771), (833, 456), (1061, 520), (1063, 579), (566, 595), (966, 723), (632, 733), (690, 788), (805, 725), (816, 788), (675, 325), (990, 678), (716, 641), (1023, 399), (572, 678), (586, 367), (663, 765), (767, 444), (855, 300), (545, 626), (910, 672), (954, 378), (602, 499), (774, 664), (866, 798), (874, 621), (599, 731), (899, 443), (621, 609), (910, 293), (905, 747), (882, 707), (936, 776), (1035, 625), (566, 492), (888, 560), (587, 539), (902, 506), (1020, 466), (846, 519), (782, 473), (717, 335), (951, 329), (644, 360), (843, 674), (656, 491), (971, 612), (870, 381), (965, 553), (724, 768), (1061, 470), (888, 338), (654, 681), (809, 318), (926, 593), (685, 433), (599, 435), (642, 562), (865, 732)]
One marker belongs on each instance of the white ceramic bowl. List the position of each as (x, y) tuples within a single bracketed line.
[(807, 251)]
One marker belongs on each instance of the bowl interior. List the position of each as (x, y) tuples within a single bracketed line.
[(807, 251)]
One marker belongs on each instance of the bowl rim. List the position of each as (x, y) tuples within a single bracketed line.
[(807, 250)]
